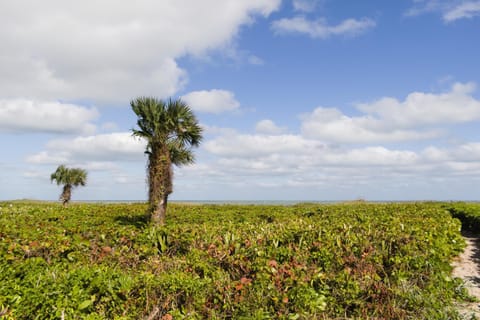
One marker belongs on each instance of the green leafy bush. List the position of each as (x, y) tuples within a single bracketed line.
[(467, 213), (96, 261)]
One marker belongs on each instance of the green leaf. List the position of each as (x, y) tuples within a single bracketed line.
[(85, 304)]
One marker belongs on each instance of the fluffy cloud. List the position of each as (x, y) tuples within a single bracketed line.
[(389, 120), (294, 151), (464, 10), (419, 108), (331, 124), (113, 147), (468, 152), (371, 156), (213, 101), (21, 115), (110, 52), (313, 160), (248, 146), (450, 10), (320, 28), (44, 157), (268, 127), (304, 167)]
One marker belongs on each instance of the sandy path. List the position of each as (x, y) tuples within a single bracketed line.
[(467, 267)]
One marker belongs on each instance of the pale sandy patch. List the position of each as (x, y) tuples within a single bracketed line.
[(467, 267)]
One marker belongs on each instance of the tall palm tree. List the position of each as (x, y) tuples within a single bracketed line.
[(70, 178), (171, 130)]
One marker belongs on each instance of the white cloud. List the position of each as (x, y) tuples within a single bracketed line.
[(45, 157), (320, 29), (451, 10), (97, 165), (121, 180), (310, 163), (287, 153), (331, 124), (389, 120), (112, 147), (468, 152), (421, 108), (22, 115), (215, 131), (270, 158), (305, 5), (268, 127), (256, 164), (106, 51), (34, 174), (212, 101), (248, 146), (422, 6), (372, 156), (468, 9), (302, 167), (109, 126)]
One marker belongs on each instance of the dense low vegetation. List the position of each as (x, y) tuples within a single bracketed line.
[(467, 213), (97, 261)]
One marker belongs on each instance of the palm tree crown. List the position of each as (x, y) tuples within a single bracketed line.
[(169, 123), (171, 130)]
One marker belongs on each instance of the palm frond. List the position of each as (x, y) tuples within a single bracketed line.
[(171, 122), (71, 176), (181, 155)]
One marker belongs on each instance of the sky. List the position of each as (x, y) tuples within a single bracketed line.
[(322, 100)]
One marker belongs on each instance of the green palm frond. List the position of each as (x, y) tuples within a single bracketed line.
[(71, 176), (180, 155), (170, 123)]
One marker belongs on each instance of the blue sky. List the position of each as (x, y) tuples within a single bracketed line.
[(299, 100)]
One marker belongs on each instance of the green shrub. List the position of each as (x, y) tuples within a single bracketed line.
[(467, 213), (358, 260)]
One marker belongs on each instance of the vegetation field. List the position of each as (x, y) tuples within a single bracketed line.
[(354, 261), (468, 214)]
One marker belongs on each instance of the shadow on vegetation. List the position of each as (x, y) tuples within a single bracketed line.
[(138, 221)]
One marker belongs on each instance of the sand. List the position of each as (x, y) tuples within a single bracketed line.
[(467, 267)]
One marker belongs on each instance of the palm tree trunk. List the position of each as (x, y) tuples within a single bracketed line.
[(66, 195), (159, 184), (158, 213)]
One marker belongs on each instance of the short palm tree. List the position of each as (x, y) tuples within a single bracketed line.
[(70, 178), (170, 129)]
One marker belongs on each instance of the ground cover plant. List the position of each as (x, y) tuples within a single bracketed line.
[(104, 261), (467, 213)]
